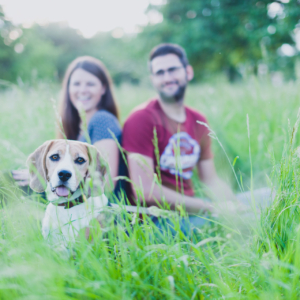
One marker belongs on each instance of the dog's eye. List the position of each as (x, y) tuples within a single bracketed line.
[(54, 157), (80, 160)]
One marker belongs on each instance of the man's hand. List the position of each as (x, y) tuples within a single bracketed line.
[(224, 200), (230, 208), (21, 177), (217, 190)]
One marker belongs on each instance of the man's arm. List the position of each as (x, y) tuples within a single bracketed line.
[(141, 171)]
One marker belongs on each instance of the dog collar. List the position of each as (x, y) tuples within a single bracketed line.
[(71, 203)]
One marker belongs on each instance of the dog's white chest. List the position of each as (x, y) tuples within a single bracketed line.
[(61, 226)]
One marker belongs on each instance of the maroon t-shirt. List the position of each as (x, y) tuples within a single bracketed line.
[(180, 145)]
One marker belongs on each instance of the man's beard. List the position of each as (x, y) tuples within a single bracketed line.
[(177, 97)]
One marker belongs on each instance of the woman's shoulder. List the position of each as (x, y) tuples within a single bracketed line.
[(103, 119), (102, 125)]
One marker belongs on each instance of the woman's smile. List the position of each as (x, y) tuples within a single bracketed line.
[(83, 98), (85, 90)]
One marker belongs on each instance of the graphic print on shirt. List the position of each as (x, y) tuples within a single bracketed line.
[(189, 155)]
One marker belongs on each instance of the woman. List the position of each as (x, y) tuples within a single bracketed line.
[(87, 98), (88, 103)]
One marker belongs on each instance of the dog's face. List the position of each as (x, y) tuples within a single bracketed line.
[(63, 165)]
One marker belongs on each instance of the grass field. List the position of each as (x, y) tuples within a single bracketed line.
[(234, 259)]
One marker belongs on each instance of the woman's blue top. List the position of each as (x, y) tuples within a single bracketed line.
[(104, 125), (101, 126)]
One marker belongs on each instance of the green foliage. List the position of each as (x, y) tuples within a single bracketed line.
[(120, 57), (6, 48), (225, 107), (232, 36), (49, 49), (44, 52), (39, 59), (238, 258), (281, 221), (226, 34)]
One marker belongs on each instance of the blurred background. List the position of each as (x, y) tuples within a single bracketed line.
[(236, 38), (245, 54)]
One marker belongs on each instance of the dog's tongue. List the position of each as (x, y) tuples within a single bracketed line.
[(62, 191)]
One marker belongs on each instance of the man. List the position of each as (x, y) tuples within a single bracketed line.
[(182, 143)]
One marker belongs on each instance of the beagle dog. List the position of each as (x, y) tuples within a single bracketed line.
[(66, 170)]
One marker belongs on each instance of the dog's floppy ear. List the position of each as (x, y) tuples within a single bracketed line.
[(36, 163), (97, 163)]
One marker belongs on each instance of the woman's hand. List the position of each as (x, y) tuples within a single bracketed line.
[(21, 177)]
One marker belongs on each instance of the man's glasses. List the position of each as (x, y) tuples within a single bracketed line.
[(171, 71)]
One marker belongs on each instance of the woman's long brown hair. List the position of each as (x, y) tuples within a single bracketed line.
[(69, 114)]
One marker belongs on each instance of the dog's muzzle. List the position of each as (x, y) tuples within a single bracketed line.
[(64, 175)]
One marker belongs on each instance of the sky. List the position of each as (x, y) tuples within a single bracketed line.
[(89, 16)]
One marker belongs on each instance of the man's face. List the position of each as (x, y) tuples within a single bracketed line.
[(169, 77)]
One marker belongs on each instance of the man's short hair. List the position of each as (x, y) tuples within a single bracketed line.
[(164, 49)]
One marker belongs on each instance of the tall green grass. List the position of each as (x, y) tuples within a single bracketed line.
[(239, 257)]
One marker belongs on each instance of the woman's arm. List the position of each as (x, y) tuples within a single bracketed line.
[(110, 152), (21, 177)]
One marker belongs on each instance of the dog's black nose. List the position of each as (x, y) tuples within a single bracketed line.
[(64, 175)]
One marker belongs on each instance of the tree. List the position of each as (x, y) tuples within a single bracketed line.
[(25, 54), (227, 34), (6, 47), (44, 52)]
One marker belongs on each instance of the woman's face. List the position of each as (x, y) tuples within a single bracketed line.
[(85, 90)]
